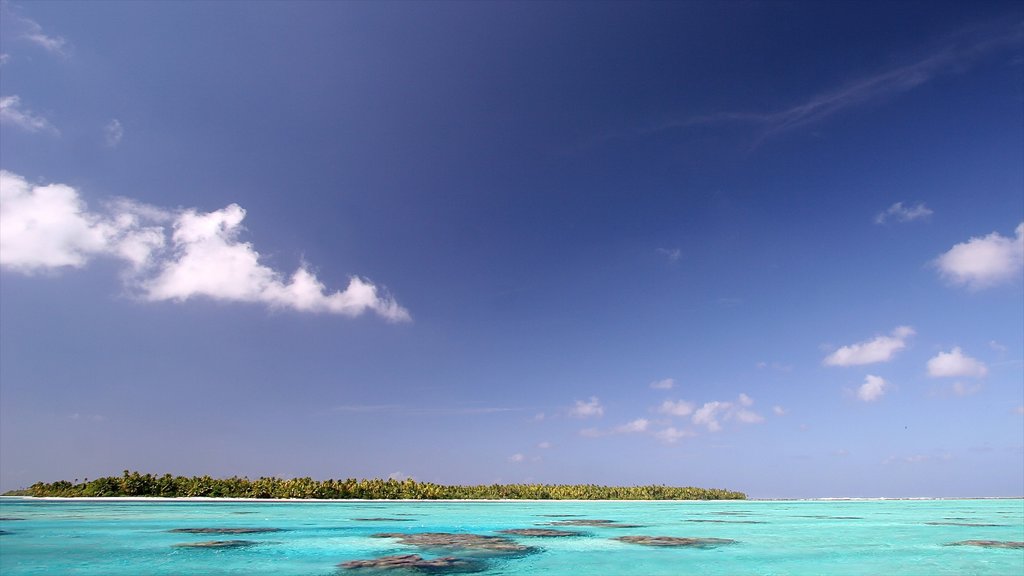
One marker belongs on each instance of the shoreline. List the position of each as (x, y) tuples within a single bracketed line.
[(358, 500)]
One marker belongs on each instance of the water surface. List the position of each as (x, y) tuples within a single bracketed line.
[(836, 538)]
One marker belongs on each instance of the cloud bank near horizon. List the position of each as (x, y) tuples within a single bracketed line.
[(45, 228)]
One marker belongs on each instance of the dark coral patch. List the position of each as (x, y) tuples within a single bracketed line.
[(674, 542), (990, 543), (594, 524), (416, 564), (218, 544), (463, 542), (540, 532), (223, 530)]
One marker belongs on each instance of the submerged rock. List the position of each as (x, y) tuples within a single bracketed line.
[(223, 530), (674, 542), (988, 543), (9, 519), (383, 520), (595, 524), (415, 563), (464, 542), (218, 544), (5, 532), (540, 532)]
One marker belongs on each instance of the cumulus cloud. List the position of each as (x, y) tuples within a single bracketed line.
[(664, 384), (710, 413), (878, 349), (14, 114), (955, 364), (676, 408), (873, 388), (985, 261), (587, 409), (901, 213), (544, 445), (112, 133), (516, 458), (47, 227), (778, 410)]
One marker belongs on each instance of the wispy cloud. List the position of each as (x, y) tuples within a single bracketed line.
[(957, 53), (14, 114), (984, 262), (901, 213), (587, 408), (663, 384), (28, 29), (672, 254), (48, 227), (676, 408), (401, 409), (878, 349), (113, 132)]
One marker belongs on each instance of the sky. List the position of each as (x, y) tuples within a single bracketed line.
[(774, 247)]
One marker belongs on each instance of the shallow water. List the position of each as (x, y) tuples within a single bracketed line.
[(789, 538)]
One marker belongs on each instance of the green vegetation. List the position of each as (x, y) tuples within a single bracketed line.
[(135, 484)]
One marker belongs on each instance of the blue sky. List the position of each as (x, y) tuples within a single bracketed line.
[(772, 247)]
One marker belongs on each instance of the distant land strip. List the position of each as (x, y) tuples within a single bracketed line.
[(134, 484)]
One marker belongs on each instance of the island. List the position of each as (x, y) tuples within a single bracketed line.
[(134, 484)]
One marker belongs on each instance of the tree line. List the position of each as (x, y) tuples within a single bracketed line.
[(168, 486)]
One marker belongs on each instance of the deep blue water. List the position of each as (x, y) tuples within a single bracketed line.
[(831, 538)]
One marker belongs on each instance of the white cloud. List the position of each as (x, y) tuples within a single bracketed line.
[(12, 113), (878, 349), (53, 44), (778, 410), (544, 445), (712, 414), (676, 408), (872, 389), (638, 425), (747, 416), (997, 346), (49, 227), (45, 227), (587, 409), (516, 458), (672, 435), (1019, 410), (664, 384), (399, 476), (983, 262), (902, 213), (4, 58), (709, 414), (113, 132), (954, 364)]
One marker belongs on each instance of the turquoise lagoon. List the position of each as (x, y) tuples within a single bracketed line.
[(834, 538)]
